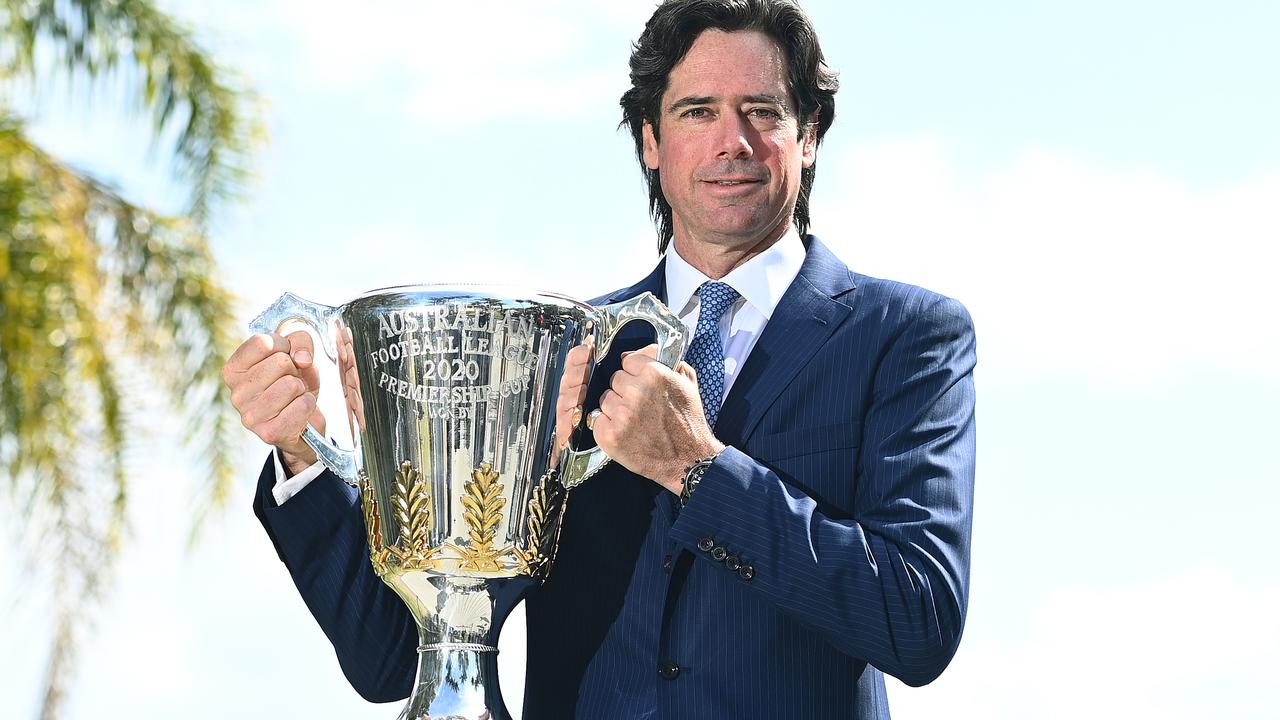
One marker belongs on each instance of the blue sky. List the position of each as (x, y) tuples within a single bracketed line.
[(1098, 182)]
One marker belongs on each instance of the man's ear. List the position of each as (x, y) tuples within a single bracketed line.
[(650, 145), (809, 142)]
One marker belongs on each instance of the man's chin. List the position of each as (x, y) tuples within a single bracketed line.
[(736, 233)]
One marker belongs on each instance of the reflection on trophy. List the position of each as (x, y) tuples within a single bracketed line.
[(451, 392)]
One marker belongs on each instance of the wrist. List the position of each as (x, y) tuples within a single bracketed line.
[(693, 477), (671, 475), (691, 474), (295, 462)]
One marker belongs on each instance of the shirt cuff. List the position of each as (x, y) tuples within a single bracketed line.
[(287, 487)]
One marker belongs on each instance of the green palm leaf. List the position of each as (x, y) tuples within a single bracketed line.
[(105, 305)]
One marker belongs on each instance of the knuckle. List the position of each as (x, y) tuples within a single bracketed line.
[(281, 364), (284, 387), (611, 435), (281, 426), (269, 367), (263, 343)]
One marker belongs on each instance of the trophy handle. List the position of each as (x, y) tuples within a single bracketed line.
[(322, 319), (582, 464)]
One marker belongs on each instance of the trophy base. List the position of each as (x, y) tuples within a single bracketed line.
[(456, 681), (457, 648)]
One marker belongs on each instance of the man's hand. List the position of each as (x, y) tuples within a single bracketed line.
[(651, 419), (573, 392), (274, 385)]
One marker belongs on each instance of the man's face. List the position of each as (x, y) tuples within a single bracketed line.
[(729, 156)]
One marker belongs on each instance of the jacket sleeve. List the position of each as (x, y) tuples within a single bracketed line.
[(886, 582), (319, 535)]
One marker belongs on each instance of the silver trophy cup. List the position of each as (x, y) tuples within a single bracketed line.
[(451, 392)]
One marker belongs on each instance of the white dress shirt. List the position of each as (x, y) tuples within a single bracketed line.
[(760, 283)]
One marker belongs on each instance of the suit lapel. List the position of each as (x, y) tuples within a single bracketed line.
[(804, 319), (631, 336), (655, 282), (807, 315)]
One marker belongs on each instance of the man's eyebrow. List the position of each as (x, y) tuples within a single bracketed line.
[(694, 100), (690, 101), (766, 99)]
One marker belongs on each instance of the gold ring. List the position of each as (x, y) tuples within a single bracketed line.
[(591, 419), (575, 416)]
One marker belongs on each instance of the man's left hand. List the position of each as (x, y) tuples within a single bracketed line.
[(651, 419)]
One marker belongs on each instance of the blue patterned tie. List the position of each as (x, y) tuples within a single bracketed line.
[(706, 353)]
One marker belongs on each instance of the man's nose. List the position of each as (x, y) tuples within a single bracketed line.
[(735, 141)]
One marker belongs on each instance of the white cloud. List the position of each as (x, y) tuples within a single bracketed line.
[(1196, 644), (452, 64), (1068, 267)]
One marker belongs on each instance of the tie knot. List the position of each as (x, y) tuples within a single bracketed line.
[(716, 297)]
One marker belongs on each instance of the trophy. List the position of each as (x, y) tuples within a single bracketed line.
[(451, 392)]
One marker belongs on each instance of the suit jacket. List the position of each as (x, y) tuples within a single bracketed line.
[(828, 544)]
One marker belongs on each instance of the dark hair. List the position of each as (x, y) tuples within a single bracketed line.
[(667, 37)]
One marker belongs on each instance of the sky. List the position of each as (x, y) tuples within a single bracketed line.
[(1099, 183)]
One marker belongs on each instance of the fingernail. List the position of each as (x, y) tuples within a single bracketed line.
[(302, 356)]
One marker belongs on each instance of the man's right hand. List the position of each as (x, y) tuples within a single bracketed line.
[(274, 385)]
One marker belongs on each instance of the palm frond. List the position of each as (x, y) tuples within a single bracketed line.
[(180, 85), (105, 306), (93, 289)]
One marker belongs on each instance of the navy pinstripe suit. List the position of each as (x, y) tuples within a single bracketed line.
[(844, 500)]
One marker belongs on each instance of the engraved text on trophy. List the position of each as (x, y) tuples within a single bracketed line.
[(453, 344)]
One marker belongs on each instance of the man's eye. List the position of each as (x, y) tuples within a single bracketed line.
[(695, 113), (764, 113)]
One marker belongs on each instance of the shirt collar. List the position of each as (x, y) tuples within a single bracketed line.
[(762, 280)]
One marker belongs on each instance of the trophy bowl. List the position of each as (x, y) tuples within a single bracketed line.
[(451, 391)]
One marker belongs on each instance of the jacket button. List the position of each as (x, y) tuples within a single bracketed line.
[(719, 554), (668, 670), (733, 563), (666, 563), (746, 572), (705, 544)]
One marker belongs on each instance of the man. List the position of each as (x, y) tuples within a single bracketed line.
[(779, 527)]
